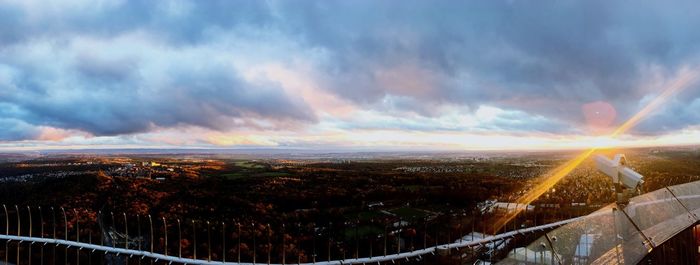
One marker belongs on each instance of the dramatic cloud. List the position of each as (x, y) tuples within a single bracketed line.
[(545, 59), (149, 71), (132, 83)]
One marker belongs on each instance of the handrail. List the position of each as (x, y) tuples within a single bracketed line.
[(366, 260)]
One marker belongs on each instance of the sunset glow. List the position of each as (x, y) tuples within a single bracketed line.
[(554, 176), (174, 78)]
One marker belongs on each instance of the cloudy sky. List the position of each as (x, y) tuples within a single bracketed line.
[(345, 74)]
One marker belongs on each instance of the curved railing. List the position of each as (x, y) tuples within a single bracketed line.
[(376, 259), (609, 235), (617, 234)]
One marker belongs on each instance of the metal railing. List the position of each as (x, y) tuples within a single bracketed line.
[(132, 253), (617, 234), (648, 221)]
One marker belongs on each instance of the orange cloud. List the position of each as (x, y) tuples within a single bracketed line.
[(57, 134)]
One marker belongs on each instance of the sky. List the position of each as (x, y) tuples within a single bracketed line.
[(366, 75)]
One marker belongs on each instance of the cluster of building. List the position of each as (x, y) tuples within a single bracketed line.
[(26, 178), (583, 187), (432, 169), (150, 169)]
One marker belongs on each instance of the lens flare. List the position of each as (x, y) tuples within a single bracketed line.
[(685, 79)]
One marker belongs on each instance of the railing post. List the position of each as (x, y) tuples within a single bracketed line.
[(29, 211), (165, 232), (150, 225), (138, 228), (398, 238), (7, 221), (385, 238), (425, 232), (77, 236), (19, 229), (41, 219), (223, 241), (179, 237), (77, 226), (126, 232), (29, 256), (194, 238), (371, 243), (53, 218), (239, 241), (89, 253), (19, 224), (97, 220), (330, 228), (299, 245), (7, 232), (313, 243), (357, 238), (208, 241), (41, 248), (65, 235)]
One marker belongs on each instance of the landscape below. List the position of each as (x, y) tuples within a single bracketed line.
[(356, 202)]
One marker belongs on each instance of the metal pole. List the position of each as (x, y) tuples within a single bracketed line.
[(425, 232), (29, 260), (77, 226), (299, 251), (53, 217), (398, 237), (255, 254), (385, 238), (19, 229), (165, 232), (223, 241), (239, 242), (330, 228), (126, 232), (7, 220), (19, 224), (150, 225), (97, 220), (138, 227), (65, 233), (179, 237), (371, 246), (7, 232), (89, 253), (208, 242), (461, 230), (77, 236), (269, 244), (194, 238), (41, 219)]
